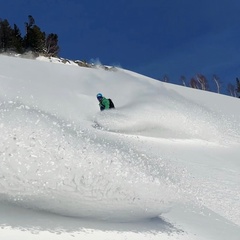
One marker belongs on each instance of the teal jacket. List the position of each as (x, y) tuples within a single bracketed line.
[(104, 104)]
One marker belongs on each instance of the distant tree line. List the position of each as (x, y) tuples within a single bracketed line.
[(201, 82), (34, 39)]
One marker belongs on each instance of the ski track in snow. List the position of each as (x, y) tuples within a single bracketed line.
[(85, 171)]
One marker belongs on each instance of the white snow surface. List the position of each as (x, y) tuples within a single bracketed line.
[(165, 164)]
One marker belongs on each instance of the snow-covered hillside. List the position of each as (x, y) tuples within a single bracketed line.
[(163, 165)]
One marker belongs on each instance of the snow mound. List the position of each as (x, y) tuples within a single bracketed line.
[(52, 165)]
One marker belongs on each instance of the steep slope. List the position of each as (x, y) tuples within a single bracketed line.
[(165, 151)]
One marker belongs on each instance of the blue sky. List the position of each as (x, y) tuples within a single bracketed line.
[(154, 37)]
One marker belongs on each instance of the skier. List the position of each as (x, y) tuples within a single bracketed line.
[(104, 103)]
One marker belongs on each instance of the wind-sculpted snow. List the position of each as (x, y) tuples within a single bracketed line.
[(56, 166)]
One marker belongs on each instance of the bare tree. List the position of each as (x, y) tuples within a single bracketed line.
[(217, 82), (51, 45), (231, 90), (238, 87), (183, 80), (165, 78), (194, 83), (203, 81)]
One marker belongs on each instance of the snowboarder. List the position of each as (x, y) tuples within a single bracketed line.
[(104, 103)]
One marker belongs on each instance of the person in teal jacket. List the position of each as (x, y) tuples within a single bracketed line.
[(104, 103)]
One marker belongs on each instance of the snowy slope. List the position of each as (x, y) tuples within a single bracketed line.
[(163, 165)]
